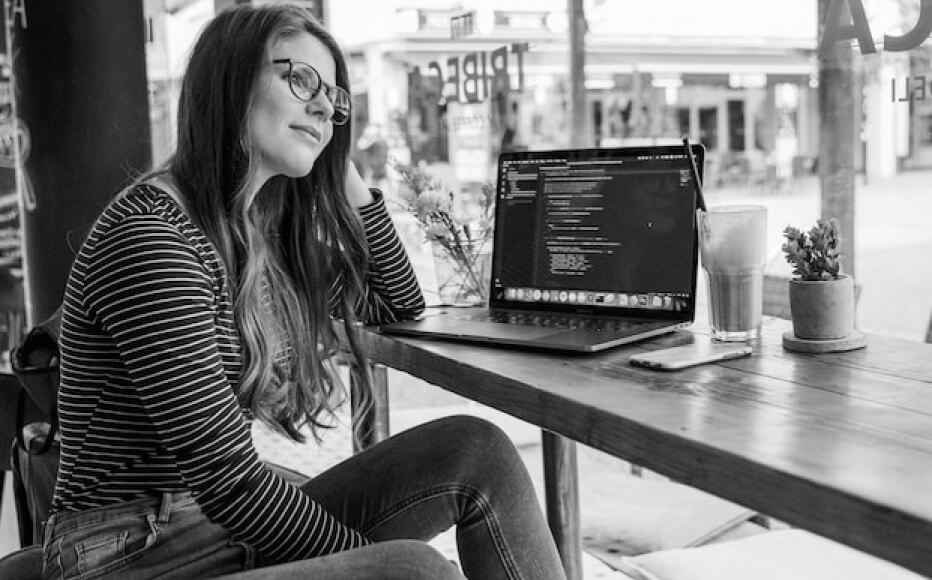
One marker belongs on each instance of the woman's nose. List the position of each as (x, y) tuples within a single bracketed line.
[(320, 105)]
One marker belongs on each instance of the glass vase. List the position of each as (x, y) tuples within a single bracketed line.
[(463, 272)]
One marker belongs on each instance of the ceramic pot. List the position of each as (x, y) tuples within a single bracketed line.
[(823, 309)]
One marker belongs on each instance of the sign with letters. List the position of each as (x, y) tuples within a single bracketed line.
[(475, 76), (858, 28)]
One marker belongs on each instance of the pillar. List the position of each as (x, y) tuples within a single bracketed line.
[(838, 136), (80, 76)]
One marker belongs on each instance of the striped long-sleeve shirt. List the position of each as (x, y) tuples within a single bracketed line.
[(149, 359)]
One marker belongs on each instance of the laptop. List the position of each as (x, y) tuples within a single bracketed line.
[(593, 248)]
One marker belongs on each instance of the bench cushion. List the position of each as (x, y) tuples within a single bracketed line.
[(776, 555)]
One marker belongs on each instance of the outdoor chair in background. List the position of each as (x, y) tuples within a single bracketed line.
[(777, 555)]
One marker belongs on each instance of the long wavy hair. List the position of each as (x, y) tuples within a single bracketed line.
[(284, 247)]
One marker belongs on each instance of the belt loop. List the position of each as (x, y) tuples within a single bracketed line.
[(165, 510)]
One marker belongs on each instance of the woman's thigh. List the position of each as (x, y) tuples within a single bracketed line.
[(418, 483), (391, 560), (458, 471)]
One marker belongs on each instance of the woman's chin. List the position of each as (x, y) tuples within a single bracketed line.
[(299, 171)]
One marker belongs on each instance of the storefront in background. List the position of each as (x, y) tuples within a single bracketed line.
[(503, 82)]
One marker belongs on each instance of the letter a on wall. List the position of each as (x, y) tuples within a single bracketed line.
[(835, 31)]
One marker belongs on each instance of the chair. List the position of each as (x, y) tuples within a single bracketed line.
[(25, 564), (9, 393), (33, 485), (774, 555)]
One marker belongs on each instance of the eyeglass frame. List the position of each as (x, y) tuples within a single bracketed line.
[(322, 86)]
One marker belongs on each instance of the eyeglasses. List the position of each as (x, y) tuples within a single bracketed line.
[(305, 83)]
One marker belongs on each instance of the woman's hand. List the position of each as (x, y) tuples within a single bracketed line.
[(357, 192)]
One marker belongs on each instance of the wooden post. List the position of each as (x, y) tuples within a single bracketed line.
[(579, 120), (838, 130), (375, 421), (561, 489)]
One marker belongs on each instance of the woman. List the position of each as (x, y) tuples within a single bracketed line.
[(202, 295)]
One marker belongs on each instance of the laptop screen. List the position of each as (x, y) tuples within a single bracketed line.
[(597, 231)]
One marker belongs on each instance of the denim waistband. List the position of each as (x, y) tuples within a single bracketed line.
[(68, 521)]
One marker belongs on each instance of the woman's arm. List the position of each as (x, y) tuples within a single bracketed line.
[(392, 292), (149, 288)]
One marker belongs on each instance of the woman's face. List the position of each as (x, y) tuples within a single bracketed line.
[(290, 134)]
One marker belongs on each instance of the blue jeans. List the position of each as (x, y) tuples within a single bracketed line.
[(402, 492)]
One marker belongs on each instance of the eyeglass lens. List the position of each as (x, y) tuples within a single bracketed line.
[(306, 83)]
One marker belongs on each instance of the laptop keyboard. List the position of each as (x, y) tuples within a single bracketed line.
[(560, 321)]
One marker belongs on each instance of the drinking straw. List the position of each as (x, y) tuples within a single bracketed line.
[(700, 199)]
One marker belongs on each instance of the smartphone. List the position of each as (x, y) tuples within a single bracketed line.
[(681, 357)]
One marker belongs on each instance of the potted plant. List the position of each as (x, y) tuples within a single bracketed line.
[(821, 296)]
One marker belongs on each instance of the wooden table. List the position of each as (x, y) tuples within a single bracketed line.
[(839, 444)]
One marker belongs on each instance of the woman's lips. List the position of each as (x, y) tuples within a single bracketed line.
[(313, 132)]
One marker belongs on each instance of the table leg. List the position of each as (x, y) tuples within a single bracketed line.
[(375, 421), (561, 490)]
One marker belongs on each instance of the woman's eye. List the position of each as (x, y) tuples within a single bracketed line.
[(300, 80)]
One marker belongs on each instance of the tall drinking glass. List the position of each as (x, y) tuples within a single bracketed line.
[(733, 247)]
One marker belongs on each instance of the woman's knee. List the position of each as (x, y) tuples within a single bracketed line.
[(484, 449), (416, 560), (480, 433)]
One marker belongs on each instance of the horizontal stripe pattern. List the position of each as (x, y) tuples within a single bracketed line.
[(150, 358)]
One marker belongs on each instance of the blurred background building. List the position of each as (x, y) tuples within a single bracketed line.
[(450, 84), (739, 77)]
